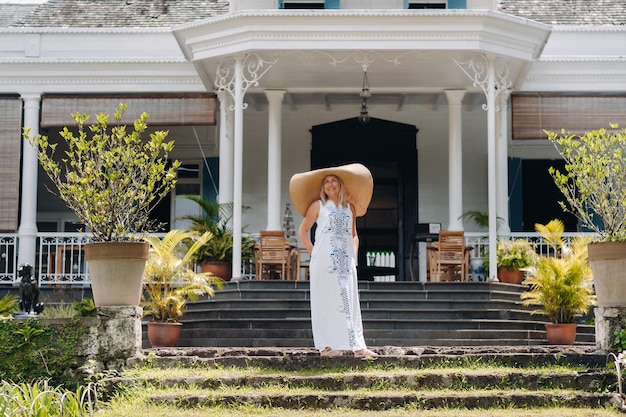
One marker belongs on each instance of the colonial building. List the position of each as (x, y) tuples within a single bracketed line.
[(444, 100)]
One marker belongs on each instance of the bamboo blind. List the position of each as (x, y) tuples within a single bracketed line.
[(163, 110), (531, 113), (10, 141)]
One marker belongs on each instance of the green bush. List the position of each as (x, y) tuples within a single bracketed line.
[(44, 400), (31, 351)]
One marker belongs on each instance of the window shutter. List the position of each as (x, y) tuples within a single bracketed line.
[(576, 113), (164, 110), (10, 141)]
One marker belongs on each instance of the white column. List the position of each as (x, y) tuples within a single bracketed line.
[(455, 159), (491, 168), (502, 165), (27, 232), (226, 149), (230, 77), (238, 167), (274, 158)]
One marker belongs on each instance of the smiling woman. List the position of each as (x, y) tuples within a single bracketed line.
[(332, 198)]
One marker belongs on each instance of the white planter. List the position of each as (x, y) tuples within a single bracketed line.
[(608, 264), (116, 270)]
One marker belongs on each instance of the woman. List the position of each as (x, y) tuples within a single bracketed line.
[(341, 194)]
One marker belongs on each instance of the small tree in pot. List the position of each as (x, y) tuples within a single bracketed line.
[(594, 186), (561, 284), (111, 178)]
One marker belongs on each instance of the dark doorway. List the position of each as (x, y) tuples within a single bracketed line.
[(389, 150), (540, 196)]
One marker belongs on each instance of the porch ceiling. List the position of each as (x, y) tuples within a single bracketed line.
[(320, 55)]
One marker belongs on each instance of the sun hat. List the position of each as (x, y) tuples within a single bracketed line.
[(305, 187)]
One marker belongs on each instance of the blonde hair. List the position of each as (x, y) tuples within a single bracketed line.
[(342, 194)]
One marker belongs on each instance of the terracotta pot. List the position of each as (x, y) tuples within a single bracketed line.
[(510, 276), (163, 334), (608, 264), (218, 268), (116, 272), (561, 333)]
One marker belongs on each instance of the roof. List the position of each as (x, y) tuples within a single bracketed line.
[(13, 12), (120, 13), (168, 13), (568, 12)]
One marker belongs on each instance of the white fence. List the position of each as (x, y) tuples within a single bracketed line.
[(60, 257)]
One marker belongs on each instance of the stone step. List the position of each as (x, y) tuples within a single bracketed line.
[(410, 357), (304, 338), (384, 303), (244, 312), (389, 401), (371, 325), (586, 380)]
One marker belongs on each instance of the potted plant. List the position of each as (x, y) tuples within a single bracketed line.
[(112, 179), (216, 255), (594, 185), (513, 256), (560, 283), (169, 282)]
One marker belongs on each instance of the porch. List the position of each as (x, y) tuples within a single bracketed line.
[(264, 313)]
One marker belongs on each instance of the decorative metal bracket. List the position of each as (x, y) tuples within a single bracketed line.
[(253, 69), (477, 69)]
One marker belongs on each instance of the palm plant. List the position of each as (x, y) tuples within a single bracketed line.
[(561, 284), (169, 280), (215, 218), (8, 304)]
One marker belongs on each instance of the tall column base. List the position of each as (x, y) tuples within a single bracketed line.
[(608, 319)]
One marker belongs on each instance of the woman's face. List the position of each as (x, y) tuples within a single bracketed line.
[(331, 185)]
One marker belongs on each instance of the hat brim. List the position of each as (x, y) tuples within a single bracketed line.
[(305, 187)]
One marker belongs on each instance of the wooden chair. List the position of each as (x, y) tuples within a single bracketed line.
[(449, 257), (302, 263), (273, 255)]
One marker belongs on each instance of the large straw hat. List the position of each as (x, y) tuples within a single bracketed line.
[(357, 180)]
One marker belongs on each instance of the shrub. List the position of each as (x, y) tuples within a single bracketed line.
[(31, 351)]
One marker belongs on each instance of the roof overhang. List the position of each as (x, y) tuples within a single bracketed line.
[(325, 51)]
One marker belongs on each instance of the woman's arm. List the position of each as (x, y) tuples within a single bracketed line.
[(355, 235), (307, 223)]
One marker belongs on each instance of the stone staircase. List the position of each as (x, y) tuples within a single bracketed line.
[(277, 314), (525, 380)]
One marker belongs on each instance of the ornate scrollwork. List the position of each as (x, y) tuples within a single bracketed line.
[(364, 58), (253, 68), (477, 69)]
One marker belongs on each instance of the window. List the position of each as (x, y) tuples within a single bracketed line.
[(303, 4), (427, 4)]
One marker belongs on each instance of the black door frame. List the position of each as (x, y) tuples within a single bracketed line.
[(348, 141)]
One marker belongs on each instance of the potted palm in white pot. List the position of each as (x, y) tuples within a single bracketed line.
[(594, 185), (111, 178)]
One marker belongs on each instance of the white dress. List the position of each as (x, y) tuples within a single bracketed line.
[(335, 308)]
